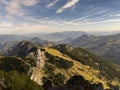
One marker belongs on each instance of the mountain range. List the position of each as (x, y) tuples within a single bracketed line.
[(105, 46), (88, 61), (54, 67), (57, 36), (43, 39)]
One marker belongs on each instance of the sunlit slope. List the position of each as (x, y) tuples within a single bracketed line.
[(105, 46), (108, 70), (87, 72)]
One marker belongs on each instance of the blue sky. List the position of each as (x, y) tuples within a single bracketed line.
[(36, 16)]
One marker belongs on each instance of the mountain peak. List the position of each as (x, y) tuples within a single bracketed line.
[(21, 49)]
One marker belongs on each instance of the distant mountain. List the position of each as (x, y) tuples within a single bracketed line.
[(42, 39), (8, 38), (103, 33), (7, 41), (57, 36), (67, 40), (53, 66), (5, 46), (40, 42), (106, 46)]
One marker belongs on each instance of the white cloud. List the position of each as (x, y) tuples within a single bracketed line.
[(67, 5), (103, 22), (112, 20), (29, 2), (50, 25), (6, 24), (52, 3), (91, 14), (15, 7), (117, 15)]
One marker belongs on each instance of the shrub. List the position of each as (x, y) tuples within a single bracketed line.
[(49, 69), (59, 62), (14, 80), (58, 79)]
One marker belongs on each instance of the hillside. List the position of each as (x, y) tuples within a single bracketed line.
[(58, 64), (14, 75), (105, 67), (72, 67), (106, 46)]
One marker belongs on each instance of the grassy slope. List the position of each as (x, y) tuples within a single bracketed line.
[(78, 68)]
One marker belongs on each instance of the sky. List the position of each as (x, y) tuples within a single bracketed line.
[(36, 16)]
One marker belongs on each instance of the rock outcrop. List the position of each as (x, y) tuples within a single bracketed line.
[(28, 50), (39, 56)]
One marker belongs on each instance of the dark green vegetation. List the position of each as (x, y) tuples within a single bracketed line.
[(1, 53), (13, 75), (30, 61), (107, 69), (12, 63), (59, 62), (76, 82), (56, 79), (14, 80), (49, 69)]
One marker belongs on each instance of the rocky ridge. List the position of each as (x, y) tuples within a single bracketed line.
[(29, 50)]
